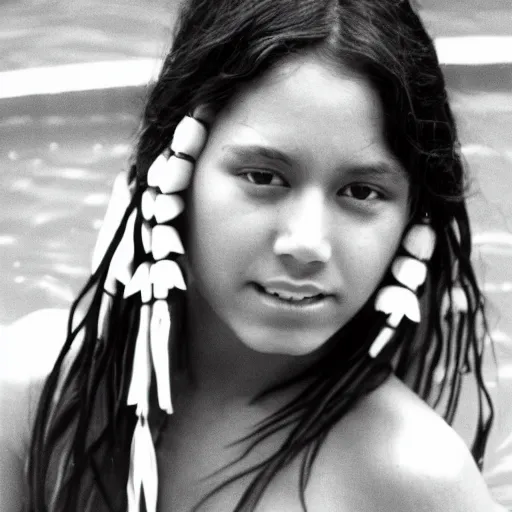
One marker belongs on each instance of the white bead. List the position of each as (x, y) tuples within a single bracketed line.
[(146, 237), (167, 207), (398, 302), (177, 176), (162, 281), (138, 392), (140, 283), (409, 272), (167, 273), (148, 203), (171, 175), (143, 473), (380, 341), (189, 137), (164, 240), (157, 170), (118, 203), (159, 340), (420, 241), (160, 291)]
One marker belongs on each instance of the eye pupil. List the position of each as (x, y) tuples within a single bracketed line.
[(259, 177), (360, 191)]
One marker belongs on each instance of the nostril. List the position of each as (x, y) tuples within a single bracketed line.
[(306, 251)]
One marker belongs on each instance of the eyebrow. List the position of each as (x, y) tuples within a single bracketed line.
[(254, 150), (377, 169)]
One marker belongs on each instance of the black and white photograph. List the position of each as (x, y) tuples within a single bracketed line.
[(256, 256)]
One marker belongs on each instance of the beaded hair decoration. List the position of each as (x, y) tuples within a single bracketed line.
[(410, 272), (153, 278), (160, 205)]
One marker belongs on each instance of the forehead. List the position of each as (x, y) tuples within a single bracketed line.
[(307, 106)]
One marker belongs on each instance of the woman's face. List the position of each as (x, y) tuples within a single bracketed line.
[(295, 194)]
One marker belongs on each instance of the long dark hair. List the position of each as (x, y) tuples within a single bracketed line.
[(81, 440)]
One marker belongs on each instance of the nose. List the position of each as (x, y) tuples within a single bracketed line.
[(303, 233)]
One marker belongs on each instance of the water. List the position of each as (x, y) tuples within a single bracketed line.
[(58, 162)]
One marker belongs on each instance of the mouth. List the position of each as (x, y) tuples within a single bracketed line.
[(290, 300)]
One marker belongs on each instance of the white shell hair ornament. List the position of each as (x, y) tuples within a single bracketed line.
[(410, 271), (153, 279)]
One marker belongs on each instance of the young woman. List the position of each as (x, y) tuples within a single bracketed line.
[(275, 283)]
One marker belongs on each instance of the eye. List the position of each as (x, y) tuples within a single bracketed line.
[(361, 192), (263, 178)]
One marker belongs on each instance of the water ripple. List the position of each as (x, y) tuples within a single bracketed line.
[(7, 240)]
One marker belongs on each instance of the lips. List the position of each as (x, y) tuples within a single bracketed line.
[(291, 296), (293, 289), (288, 299)]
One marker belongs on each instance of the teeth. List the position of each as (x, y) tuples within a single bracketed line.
[(289, 296)]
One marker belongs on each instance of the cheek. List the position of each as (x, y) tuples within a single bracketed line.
[(219, 227), (369, 255)]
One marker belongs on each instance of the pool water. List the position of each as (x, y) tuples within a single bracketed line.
[(58, 163)]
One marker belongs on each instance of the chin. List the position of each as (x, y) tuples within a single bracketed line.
[(287, 344)]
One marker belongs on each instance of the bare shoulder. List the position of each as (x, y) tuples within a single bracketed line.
[(30, 345), (394, 453), (29, 348)]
